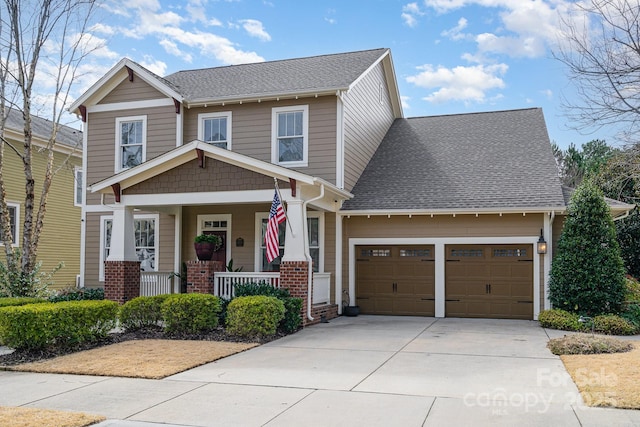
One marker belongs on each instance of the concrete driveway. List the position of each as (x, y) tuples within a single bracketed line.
[(367, 370)]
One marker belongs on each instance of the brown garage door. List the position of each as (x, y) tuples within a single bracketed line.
[(395, 280), (494, 281)]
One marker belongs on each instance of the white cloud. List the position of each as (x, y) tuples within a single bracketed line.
[(404, 100), (547, 93), (468, 84), (409, 14), (456, 33), (173, 49), (255, 29), (103, 29), (155, 66)]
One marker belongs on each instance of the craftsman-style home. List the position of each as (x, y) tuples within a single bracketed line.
[(437, 216)]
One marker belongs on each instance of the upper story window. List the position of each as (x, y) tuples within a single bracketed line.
[(131, 141), (215, 128), (77, 201), (289, 135), (14, 214)]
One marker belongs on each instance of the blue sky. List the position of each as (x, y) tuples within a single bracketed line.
[(450, 56)]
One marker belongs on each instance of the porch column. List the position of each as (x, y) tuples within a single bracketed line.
[(122, 268), (295, 268)]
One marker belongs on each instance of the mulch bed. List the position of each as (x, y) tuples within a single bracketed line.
[(26, 356)]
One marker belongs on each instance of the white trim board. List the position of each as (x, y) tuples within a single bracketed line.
[(439, 243)]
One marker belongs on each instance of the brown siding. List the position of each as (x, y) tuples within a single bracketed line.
[(366, 122), (137, 90), (101, 140), (92, 249), (166, 246), (216, 176), (251, 131), (330, 249)]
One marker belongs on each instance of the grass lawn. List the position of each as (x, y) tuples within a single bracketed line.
[(607, 379), (151, 358), (29, 417)]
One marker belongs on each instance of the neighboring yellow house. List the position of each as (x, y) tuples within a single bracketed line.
[(60, 239)]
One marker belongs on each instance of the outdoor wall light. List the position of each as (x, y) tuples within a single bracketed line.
[(542, 245), (239, 242)]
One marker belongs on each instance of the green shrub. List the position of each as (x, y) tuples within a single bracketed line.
[(587, 274), (190, 313), (292, 308), (611, 324), (8, 302), (559, 319), (64, 324), (142, 312), (631, 312), (262, 288), (633, 290), (587, 344), (77, 294), (254, 316)]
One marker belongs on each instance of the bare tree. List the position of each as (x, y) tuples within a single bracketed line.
[(600, 46), (40, 40)]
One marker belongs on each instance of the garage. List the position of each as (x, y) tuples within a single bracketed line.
[(396, 279), (491, 281)]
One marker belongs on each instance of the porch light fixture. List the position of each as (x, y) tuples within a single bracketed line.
[(239, 242), (542, 245)]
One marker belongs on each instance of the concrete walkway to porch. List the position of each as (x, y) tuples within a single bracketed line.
[(365, 370)]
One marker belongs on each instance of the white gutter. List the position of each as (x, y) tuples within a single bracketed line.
[(307, 255), (618, 218)]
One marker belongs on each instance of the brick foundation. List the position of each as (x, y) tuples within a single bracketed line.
[(121, 280), (200, 276), (322, 312), (294, 275)]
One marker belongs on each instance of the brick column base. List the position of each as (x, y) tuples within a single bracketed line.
[(200, 276), (294, 276), (121, 280)]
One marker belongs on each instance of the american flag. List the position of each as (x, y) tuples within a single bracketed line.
[(276, 216)]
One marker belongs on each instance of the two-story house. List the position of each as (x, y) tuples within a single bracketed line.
[(60, 239), (428, 216)]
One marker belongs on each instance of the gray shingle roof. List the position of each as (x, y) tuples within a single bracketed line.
[(567, 192), (42, 128), (478, 161), (316, 73)]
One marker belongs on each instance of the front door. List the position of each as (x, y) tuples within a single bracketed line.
[(219, 225)]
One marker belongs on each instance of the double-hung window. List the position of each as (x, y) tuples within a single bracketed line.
[(14, 215), (145, 230), (315, 233), (215, 128), (131, 141), (290, 135)]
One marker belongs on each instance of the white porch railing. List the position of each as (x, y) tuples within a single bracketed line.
[(224, 282), (321, 288), (155, 283)]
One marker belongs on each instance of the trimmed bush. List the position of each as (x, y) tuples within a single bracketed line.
[(64, 324), (559, 319), (190, 313), (631, 312), (587, 274), (142, 312), (587, 344), (293, 306), (17, 301), (632, 290), (75, 294), (611, 324), (254, 316)]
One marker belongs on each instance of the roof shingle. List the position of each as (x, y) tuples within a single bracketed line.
[(478, 161)]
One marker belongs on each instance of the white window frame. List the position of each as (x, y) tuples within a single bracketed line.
[(16, 229), (204, 116), (119, 120), (259, 242), (103, 229), (305, 135), (78, 187)]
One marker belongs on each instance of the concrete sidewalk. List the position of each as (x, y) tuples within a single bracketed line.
[(367, 370)]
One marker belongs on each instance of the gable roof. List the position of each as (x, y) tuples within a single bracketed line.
[(41, 128), (617, 207), (480, 162), (310, 76)]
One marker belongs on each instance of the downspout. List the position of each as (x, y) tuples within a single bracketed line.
[(307, 255)]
